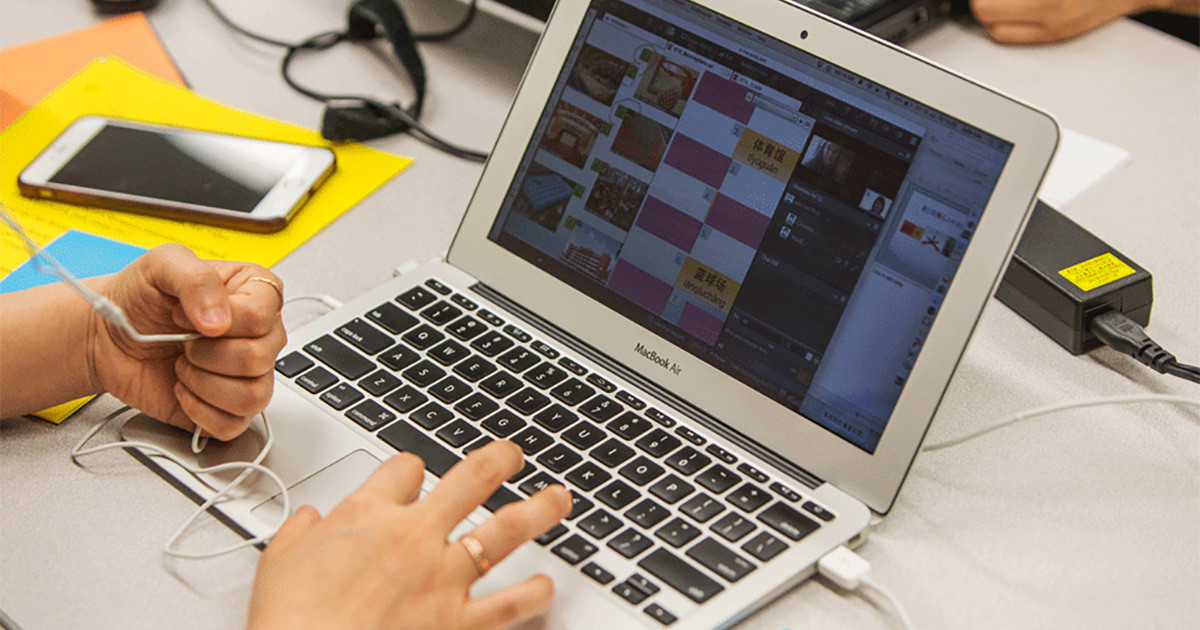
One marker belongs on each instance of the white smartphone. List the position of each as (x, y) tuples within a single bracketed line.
[(213, 178)]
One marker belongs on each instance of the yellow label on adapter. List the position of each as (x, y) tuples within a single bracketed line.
[(1096, 272)]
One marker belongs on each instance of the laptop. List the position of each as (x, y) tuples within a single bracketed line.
[(894, 20), (715, 279)]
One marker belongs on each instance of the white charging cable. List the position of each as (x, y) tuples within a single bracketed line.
[(850, 571)]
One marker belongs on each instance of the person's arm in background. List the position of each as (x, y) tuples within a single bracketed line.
[(1041, 21), (55, 348)]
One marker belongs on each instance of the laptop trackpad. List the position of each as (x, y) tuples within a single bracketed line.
[(324, 489)]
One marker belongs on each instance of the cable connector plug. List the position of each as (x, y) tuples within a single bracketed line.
[(1128, 337), (850, 572)]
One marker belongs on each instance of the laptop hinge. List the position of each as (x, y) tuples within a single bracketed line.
[(676, 403)]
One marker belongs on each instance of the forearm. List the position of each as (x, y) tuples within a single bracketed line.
[(43, 349), (1186, 7)]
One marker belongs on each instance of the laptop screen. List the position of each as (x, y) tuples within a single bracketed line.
[(787, 221)]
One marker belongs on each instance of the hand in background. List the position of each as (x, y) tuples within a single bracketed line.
[(1039, 21), (219, 382), (380, 559)]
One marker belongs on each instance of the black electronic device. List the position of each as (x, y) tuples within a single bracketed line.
[(111, 7)]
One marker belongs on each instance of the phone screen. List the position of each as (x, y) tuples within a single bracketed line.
[(189, 167)]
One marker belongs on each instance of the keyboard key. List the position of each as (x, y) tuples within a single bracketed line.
[(501, 384), (572, 391), (474, 368), (424, 374), (680, 575), (528, 401), (423, 337), (500, 498), (647, 513), (370, 415), (517, 333), (677, 532), (764, 546), (658, 443), (491, 344), (787, 521), (572, 366), (574, 549), (406, 438), (341, 396), (449, 352), (671, 489), (477, 444), (405, 399), (490, 317), (398, 357), (733, 527), (601, 408), (617, 495), (579, 505), (364, 336), (555, 418), (391, 318), (601, 383), (702, 507), (688, 461), (630, 543), (641, 471), (598, 573), (612, 452), (441, 313), (629, 425), (722, 561), (449, 390), (340, 357), (629, 593), (559, 459), (518, 359), (690, 435), (544, 349), (639, 581), (316, 379), (532, 440), (588, 476), (416, 298), (660, 417), (599, 524), (431, 416), (786, 492), (546, 375), (752, 472), (457, 433), (748, 497), (503, 423), (463, 301), (551, 535), (476, 406), (293, 364), (525, 471), (721, 454), (818, 511), (379, 382), (631, 400), (583, 435), (718, 478), (437, 286), (537, 483), (660, 614)]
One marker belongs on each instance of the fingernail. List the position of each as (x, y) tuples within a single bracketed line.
[(213, 317), (566, 498)]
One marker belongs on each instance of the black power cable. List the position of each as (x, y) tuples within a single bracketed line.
[(380, 118)]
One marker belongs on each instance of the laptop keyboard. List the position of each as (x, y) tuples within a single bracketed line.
[(434, 374)]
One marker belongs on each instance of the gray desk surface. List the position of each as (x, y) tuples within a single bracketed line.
[(1085, 519)]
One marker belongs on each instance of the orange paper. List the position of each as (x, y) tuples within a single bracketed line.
[(31, 71)]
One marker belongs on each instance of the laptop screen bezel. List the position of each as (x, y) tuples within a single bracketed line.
[(873, 478)]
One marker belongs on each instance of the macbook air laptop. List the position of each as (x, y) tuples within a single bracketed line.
[(715, 279)]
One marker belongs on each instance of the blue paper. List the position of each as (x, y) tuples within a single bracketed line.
[(84, 255)]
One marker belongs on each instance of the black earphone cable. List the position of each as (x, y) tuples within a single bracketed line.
[(328, 39)]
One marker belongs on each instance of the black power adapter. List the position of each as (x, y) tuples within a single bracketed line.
[(1083, 293)]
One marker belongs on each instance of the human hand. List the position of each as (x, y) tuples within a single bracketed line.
[(218, 382), (1040, 21), (380, 559)]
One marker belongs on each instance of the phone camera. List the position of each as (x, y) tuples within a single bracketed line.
[(803, 34)]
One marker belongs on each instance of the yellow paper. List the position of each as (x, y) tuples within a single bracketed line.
[(113, 88), (110, 87)]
